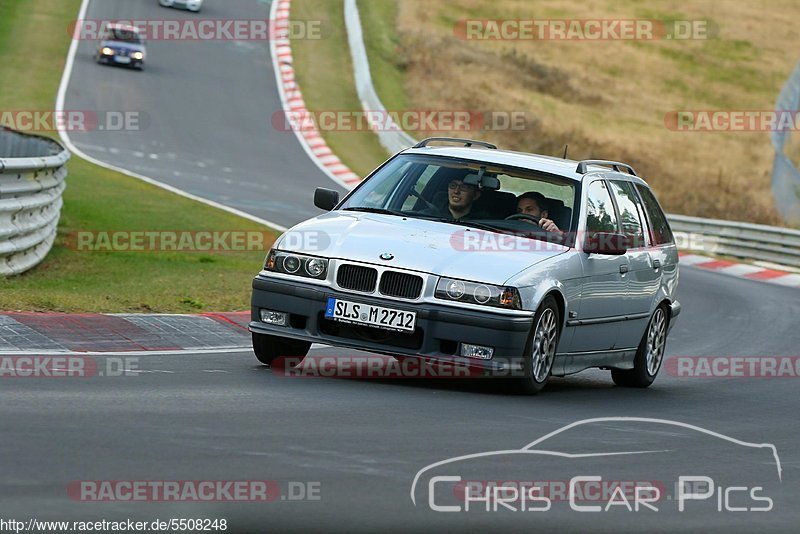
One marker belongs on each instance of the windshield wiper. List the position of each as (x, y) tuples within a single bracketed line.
[(480, 226), (376, 210)]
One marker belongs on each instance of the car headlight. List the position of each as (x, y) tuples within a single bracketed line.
[(137, 55), (477, 293), (296, 264), (106, 51)]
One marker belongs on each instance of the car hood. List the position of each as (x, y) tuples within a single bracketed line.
[(131, 47), (417, 244)]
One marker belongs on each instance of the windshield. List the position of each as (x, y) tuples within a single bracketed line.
[(444, 189), (125, 36)]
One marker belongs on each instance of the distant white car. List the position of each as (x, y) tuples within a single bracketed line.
[(191, 5)]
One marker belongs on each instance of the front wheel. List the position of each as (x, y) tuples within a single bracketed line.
[(267, 348), (649, 355), (540, 351)]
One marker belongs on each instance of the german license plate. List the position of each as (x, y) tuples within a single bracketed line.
[(369, 315), (122, 59)]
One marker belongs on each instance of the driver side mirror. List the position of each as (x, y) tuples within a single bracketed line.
[(608, 243), (326, 199)]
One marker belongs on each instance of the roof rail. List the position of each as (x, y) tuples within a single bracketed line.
[(467, 142), (582, 166)]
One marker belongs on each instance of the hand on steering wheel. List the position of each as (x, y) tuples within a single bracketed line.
[(524, 216)]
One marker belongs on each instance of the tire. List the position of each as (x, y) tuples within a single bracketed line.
[(540, 350), (267, 348), (649, 355)]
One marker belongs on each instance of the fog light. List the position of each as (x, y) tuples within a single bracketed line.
[(477, 351), (274, 317)]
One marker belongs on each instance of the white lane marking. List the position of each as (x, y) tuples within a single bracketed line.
[(138, 153), (62, 132), (153, 156), (93, 147)]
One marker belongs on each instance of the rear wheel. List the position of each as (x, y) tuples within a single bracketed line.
[(649, 355), (540, 351), (267, 348)]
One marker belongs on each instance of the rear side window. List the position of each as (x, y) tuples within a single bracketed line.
[(631, 213), (660, 233), (600, 215)]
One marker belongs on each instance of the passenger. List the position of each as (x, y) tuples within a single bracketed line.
[(535, 204)]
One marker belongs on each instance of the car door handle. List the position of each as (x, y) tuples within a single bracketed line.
[(623, 269), (656, 264)]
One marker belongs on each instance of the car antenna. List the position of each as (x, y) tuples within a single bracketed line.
[(565, 151)]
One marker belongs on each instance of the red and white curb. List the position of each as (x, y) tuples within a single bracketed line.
[(742, 270), (293, 103)]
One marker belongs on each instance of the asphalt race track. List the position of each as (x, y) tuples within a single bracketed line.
[(205, 111), (225, 417)]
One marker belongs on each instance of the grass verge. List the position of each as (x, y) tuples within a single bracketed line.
[(324, 71), (96, 199)]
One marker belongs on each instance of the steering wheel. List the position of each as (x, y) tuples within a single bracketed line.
[(524, 216)]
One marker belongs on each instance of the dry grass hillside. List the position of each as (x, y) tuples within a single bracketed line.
[(607, 99)]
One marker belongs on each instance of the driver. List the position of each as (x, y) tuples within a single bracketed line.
[(535, 204), (460, 200)]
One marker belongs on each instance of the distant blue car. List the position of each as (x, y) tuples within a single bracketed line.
[(122, 45)]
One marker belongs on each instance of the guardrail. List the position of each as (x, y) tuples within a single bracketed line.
[(391, 135), (737, 239), (32, 174)]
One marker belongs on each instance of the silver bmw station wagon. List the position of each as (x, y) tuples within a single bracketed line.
[(520, 266)]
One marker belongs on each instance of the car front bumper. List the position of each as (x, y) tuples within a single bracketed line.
[(439, 328), (111, 60)]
